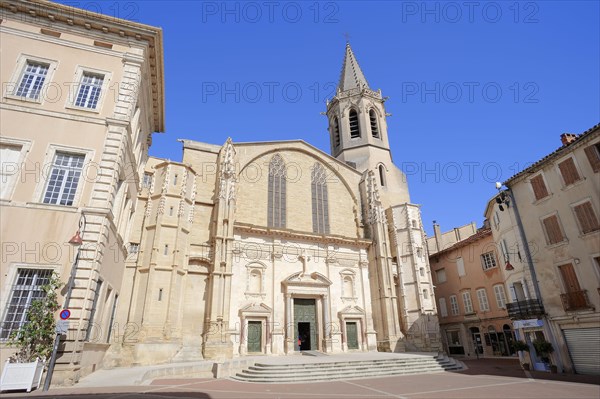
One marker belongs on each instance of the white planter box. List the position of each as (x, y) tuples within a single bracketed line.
[(21, 376)]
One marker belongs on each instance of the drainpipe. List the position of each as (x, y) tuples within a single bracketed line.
[(547, 328)]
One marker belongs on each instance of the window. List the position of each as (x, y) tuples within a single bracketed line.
[(133, 248), (460, 267), (381, 175), (32, 80), (568, 171), (496, 220), (422, 271), (443, 309), (467, 302), (336, 132), (553, 231), (374, 126), (147, 181), (539, 187), (9, 167), (166, 250), (500, 296), (488, 260), (354, 127), (348, 287), (440, 275), (453, 305), (90, 326), (64, 179), (504, 249), (27, 288), (484, 305), (89, 90), (588, 222), (320, 201), (593, 155), (175, 179), (255, 281), (425, 294), (277, 193)]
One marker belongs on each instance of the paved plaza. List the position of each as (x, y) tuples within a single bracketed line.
[(485, 378)]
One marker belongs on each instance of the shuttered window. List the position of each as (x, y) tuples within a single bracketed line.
[(539, 187), (453, 305), (443, 308), (553, 231), (593, 155), (586, 217), (500, 296), (467, 302), (484, 305), (569, 171)]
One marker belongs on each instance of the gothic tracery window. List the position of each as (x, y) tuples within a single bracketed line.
[(320, 202), (277, 193)]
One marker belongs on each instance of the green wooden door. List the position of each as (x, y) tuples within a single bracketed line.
[(305, 322), (352, 335), (254, 336)]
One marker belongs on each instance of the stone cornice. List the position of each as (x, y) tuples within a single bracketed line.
[(98, 26), (299, 235)]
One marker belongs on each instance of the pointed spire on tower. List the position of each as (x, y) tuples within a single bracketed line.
[(352, 76)]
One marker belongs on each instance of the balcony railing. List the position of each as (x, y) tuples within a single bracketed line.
[(576, 300), (527, 309)]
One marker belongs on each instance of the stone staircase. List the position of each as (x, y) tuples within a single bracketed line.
[(349, 369)]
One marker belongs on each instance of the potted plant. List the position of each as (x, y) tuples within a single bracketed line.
[(544, 349), (34, 342), (521, 346)]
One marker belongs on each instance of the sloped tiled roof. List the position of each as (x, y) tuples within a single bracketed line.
[(557, 153)]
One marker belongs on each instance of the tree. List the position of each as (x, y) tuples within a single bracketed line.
[(35, 338)]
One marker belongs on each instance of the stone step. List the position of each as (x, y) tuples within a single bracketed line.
[(325, 371), (338, 366), (338, 371)]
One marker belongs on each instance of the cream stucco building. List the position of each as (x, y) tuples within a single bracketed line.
[(81, 95), (549, 231), (276, 247)]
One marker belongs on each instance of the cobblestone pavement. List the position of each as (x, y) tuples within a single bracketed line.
[(485, 378)]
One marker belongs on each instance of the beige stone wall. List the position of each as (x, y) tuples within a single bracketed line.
[(342, 186), (113, 137)]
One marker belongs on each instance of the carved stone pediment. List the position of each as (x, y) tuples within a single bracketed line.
[(313, 279), (352, 311), (255, 308)]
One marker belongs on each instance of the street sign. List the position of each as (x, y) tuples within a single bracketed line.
[(65, 314), (62, 327)]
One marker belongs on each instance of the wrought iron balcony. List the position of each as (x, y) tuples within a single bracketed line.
[(576, 300), (527, 309)]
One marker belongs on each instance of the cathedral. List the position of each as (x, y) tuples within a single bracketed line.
[(278, 247)]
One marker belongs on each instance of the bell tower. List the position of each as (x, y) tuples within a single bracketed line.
[(358, 130)]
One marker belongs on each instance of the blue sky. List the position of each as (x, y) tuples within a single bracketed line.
[(477, 90)]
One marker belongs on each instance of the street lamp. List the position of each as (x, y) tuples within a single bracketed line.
[(76, 240)]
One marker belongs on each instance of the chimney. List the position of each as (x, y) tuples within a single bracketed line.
[(438, 236), (567, 138)]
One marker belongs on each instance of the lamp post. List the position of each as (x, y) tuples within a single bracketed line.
[(76, 240)]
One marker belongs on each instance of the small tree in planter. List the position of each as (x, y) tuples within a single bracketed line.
[(544, 349), (34, 341), (521, 346)]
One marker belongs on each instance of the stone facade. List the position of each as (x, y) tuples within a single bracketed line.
[(554, 204), (82, 94), (276, 247)]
